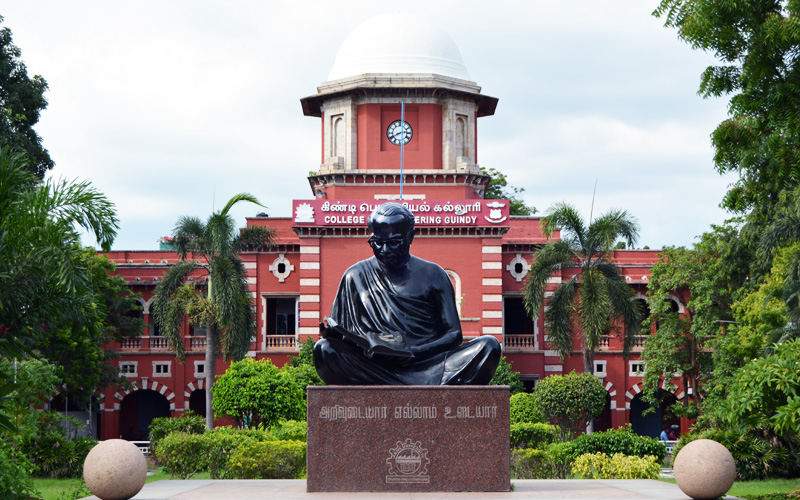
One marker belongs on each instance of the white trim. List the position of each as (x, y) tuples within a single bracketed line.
[(492, 298), (492, 314), (554, 368), (309, 282), (309, 314), (492, 249), (309, 265), (309, 298), (492, 330), (309, 250), (492, 282), (491, 265)]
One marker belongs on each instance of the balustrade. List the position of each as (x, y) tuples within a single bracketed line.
[(281, 343), (519, 342)]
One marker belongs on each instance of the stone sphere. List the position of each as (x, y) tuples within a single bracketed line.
[(115, 470), (704, 469)]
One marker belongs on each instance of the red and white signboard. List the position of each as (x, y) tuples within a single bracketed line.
[(320, 212)]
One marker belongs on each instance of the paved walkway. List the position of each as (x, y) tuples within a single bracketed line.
[(584, 489)]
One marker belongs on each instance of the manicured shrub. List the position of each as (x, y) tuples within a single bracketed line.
[(569, 401), (622, 440), (532, 464), (257, 394), (289, 430), (162, 426), (531, 435), (523, 408), (560, 455), (505, 375), (220, 446), (269, 460), (617, 466), (183, 454)]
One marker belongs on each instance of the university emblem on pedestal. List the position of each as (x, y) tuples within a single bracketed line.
[(408, 463)]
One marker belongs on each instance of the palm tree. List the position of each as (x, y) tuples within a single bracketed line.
[(44, 278), (596, 299), (224, 307)]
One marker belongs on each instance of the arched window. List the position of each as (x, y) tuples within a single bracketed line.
[(337, 145), (461, 136)]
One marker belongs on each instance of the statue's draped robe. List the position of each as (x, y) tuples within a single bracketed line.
[(418, 318)]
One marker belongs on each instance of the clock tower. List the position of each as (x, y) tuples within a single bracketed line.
[(360, 109)]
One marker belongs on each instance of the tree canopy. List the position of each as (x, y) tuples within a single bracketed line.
[(21, 103), (757, 44), (499, 189)]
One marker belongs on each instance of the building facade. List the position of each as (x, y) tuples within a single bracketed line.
[(396, 124)]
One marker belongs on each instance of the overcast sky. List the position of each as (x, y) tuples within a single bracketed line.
[(172, 107)]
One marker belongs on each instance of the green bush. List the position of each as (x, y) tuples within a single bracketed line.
[(258, 394), (183, 454), (269, 460), (560, 454), (531, 435), (622, 440), (50, 451), (161, 427), (220, 446), (532, 464), (523, 409), (289, 430), (505, 375), (570, 401), (15, 479), (617, 466), (755, 457)]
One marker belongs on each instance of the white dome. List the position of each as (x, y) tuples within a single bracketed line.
[(398, 43)]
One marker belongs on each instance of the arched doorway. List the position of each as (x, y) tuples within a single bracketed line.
[(197, 402), (650, 424), (137, 410)]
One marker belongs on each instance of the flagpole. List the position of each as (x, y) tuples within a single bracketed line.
[(402, 141)]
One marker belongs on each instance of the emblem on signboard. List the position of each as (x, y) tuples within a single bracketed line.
[(408, 463), (495, 214), (304, 213)]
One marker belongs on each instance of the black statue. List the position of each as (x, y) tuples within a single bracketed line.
[(394, 320)]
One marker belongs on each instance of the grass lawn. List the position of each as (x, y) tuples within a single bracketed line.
[(54, 489), (754, 488)]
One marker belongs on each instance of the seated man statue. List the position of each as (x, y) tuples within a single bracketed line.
[(394, 320)]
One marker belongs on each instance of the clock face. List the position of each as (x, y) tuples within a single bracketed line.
[(399, 132)]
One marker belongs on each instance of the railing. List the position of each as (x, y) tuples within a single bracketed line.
[(134, 344), (144, 446), (519, 342), (158, 344), (670, 446), (638, 342), (197, 343), (281, 343)]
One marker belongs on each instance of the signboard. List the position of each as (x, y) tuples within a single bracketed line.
[(462, 213)]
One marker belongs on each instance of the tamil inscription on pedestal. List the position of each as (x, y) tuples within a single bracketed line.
[(408, 438)]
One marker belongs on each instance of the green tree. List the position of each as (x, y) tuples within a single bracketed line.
[(570, 401), (499, 189), (21, 102), (757, 44), (83, 352), (704, 282), (258, 395), (44, 282), (596, 299), (224, 307), (505, 375)]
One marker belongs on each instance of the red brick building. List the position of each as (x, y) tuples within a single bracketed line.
[(375, 98)]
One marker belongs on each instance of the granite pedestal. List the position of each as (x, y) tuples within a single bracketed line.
[(408, 438)]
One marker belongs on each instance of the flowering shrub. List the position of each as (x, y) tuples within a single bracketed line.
[(618, 466)]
